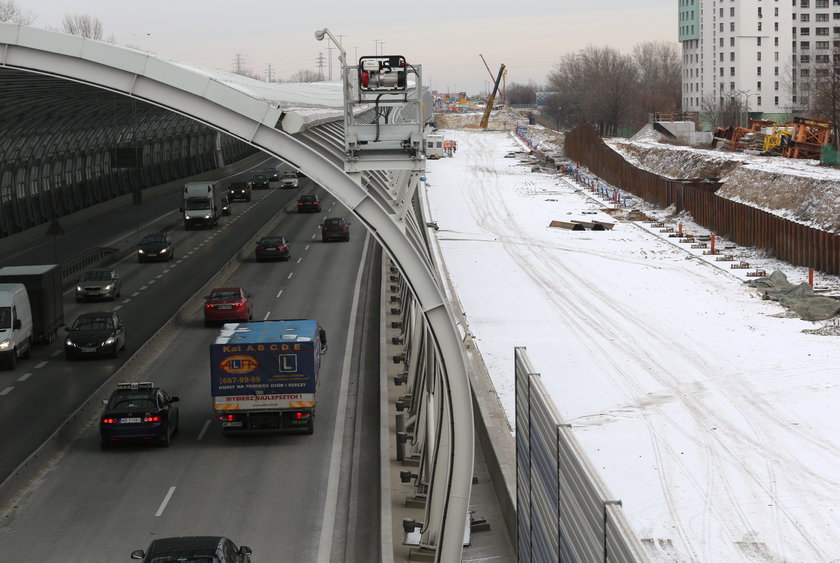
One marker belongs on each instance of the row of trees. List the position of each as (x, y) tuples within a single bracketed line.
[(602, 86)]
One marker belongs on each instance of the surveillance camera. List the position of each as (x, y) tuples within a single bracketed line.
[(319, 35)]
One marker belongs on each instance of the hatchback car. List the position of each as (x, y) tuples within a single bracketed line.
[(100, 333), (210, 549), (259, 182), (308, 204), (239, 190), (138, 411), (335, 228), (155, 246), (273, 248), (98, 284), (228, 304)]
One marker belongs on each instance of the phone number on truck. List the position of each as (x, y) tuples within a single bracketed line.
[(230, 380)]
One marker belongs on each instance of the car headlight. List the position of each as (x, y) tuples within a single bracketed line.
[(79, 289), (207, 216), (110, 340), (163, 251), (141, 251), (109, 287), (5, 344), (69, 342)]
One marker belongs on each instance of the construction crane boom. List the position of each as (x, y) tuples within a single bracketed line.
[(485, 119)]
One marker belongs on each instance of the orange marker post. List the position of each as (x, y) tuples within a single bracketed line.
[(811, 277), (713, 243)]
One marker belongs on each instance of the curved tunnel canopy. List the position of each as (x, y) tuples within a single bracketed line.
[(75, 79)]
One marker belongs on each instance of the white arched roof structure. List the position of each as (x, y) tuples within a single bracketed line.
[(301, 124)]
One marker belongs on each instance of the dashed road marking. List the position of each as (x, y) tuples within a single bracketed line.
[(6, 391), (268, 314), (290, 275), (136, 293), (279, 293), (24, 377), (204, 429), (39, 365), (165, 501)]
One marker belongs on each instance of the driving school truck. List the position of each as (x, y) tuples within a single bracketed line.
[(264, 375)]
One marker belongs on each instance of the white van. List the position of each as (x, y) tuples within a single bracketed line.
[(15, 324)]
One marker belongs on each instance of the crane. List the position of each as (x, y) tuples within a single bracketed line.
[(485, 119)]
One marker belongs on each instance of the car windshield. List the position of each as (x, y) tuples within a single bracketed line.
[(93, 323), (225, 295), (154, 239), (333, 222), (258, 179), (290, 176), (96, 275), (5, 317), (198, 204), (307, 198), (274, 240), (185, 559)]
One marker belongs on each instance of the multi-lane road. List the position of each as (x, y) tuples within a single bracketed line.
[(288, 497)]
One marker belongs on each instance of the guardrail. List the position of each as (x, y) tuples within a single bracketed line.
[(564, 512)]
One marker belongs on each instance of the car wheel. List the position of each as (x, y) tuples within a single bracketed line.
[(115, 352), (123, 343), (207, 324), (166, 440), (68, 356), (105, 444), (324, 239), (311, 428), (12, 361), (347, 238)]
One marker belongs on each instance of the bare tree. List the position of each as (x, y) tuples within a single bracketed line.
[(659, 86), (11, 12), (521, 94), (728, 111), (82, 25), (825, 92), (305, 76)]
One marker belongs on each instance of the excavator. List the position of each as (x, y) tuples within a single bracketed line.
[(485, 119)]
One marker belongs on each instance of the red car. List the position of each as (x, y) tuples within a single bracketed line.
[(228, 304)]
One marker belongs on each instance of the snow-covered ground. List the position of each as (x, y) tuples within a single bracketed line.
[(711, 413)]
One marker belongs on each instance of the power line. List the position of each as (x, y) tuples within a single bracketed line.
[(319, 62)]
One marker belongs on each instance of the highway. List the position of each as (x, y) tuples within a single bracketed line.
[(288, 497)]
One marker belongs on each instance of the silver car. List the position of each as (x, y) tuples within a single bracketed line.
[(98, 284)]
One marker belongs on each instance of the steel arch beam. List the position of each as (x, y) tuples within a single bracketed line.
[(234, 111)]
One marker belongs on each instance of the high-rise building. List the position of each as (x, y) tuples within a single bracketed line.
[(764, 53)]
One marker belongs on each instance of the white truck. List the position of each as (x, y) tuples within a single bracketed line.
[(203, 204)]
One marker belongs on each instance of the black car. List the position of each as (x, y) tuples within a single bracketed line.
[(308, 204), (273, 248), (100, 333), (239, 190), (213, 549), (259, 182), (155, 246), (335, 228), (138, 411), (103, 283), (273, 174)]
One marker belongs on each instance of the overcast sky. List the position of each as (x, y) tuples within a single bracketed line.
[(445, 38)]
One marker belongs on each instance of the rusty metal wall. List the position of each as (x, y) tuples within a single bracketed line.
[(786, 240)]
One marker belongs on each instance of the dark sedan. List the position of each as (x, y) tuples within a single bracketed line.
[(101, 333), (335, 228), (213, 549), (98, 284), (155, 246), (273, 248), (308, 204), (138, 411), (259, 182)]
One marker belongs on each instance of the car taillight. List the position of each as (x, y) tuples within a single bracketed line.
[(153, 418), (208, 305), (301, 415), (281, 248), (227, 417), (238, 304), (109, 420), (344, 228)]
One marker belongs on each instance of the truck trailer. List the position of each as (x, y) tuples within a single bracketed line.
[(46, 297), (264, 375)]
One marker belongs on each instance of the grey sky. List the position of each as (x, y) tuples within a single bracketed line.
[(445, 38)]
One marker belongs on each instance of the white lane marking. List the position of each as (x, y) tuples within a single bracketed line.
[(117, 308), (204, 429), (265, 318), (165, 501), (39, 365), (279, 293), (299, 259), (306, 247), (59, 352), (136, 293), (331, 498), (142, 287), (152, 281), (157, 277), (6, 391), (24, 377), (126, 301), (290, 275)]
